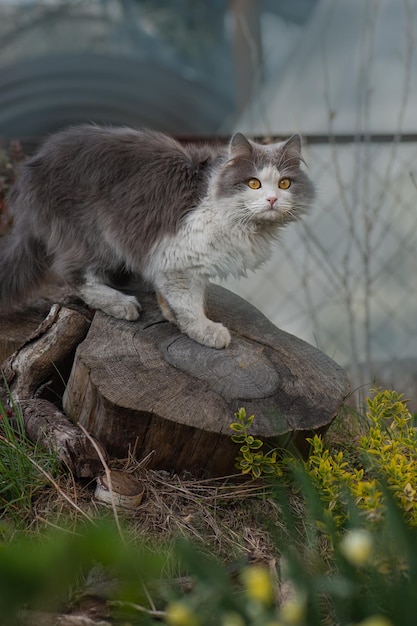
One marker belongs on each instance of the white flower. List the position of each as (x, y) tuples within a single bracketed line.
[(357, 546)]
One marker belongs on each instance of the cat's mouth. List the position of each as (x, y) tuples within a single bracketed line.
[(270, 213), (274, 215)]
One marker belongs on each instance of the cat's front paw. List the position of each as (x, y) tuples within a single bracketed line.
[(127, 308), (213, 335)]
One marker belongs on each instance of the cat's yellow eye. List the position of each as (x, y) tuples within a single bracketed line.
[(284, 183), (254, 183)]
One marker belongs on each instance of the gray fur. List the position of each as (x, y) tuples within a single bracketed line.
[(96, 201)]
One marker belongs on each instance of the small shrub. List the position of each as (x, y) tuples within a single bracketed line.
[(386, 456), (390, 449), (251, 459)]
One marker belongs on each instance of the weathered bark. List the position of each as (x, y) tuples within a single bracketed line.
[(48, 426), (44, 352), (146, 386), (30, 367)]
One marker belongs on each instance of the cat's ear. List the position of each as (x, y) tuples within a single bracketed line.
[(292, 148), (239, 147)]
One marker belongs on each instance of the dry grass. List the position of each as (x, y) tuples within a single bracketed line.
[(226, 516), (222, 514)]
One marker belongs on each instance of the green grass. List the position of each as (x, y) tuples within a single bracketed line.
[(204, 553), (25, 469)]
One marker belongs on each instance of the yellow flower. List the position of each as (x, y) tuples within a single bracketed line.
[(376, 620), (292, 612), (179, 614), (357, 546), (258, 584)]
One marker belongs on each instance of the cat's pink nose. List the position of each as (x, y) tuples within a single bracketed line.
[(272, 201)]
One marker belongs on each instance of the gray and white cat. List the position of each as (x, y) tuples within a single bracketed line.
[(95, 201)]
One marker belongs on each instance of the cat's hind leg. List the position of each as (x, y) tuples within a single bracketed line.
[(113, 302)]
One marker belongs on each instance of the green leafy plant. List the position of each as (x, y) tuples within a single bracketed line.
[(251, 459), (391, 448), (387, 455)]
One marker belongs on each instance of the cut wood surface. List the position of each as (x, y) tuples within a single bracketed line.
[(145, 387)]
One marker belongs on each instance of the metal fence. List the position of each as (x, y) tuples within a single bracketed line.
[(345, 279)]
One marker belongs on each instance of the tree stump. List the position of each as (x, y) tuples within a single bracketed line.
[(146, 387)]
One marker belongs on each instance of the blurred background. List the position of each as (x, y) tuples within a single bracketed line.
[(341, 72)]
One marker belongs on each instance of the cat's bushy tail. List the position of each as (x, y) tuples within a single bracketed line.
[(23, 267)]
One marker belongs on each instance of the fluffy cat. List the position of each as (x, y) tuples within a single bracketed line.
[(95, 201)]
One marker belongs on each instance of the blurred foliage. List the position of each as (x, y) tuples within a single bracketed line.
[(338, 560), (39, 574), (362, 579)]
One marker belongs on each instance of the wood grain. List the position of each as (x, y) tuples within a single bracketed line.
[(145, 386)]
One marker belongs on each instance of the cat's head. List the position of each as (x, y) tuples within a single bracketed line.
[(265, 183)]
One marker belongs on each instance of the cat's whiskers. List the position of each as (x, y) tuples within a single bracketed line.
[(294, 213)]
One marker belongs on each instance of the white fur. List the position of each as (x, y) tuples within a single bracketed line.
[(221, 237), (227, 236)]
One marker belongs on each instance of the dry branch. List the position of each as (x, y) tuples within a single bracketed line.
[(30, 367), (41, 355)]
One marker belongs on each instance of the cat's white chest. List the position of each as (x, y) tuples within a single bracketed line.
[(210, 244)]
